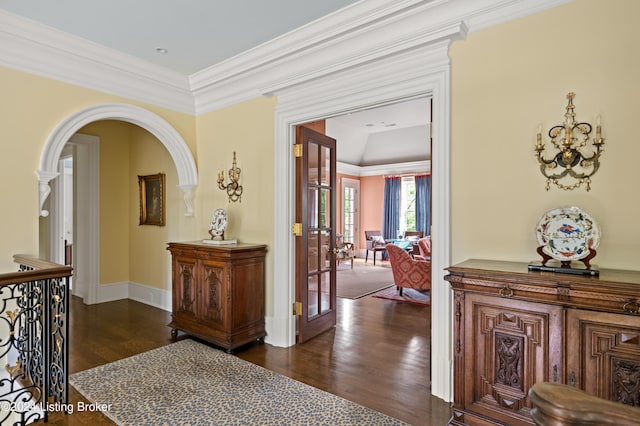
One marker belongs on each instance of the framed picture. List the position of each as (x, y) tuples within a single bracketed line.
[(152, 199)]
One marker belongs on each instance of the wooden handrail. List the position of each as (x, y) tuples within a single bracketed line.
[(42, 269), (562, 405)]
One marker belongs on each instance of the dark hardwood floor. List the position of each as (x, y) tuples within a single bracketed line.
[(377, 355)]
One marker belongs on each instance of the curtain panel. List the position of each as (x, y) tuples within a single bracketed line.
[(423, 204), (391, 215)]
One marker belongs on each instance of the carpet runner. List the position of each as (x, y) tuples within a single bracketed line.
[(362, 280), (189, 383)]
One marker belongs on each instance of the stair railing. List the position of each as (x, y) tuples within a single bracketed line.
[(34, 348)]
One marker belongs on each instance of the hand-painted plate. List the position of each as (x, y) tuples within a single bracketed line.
[(567, 233)]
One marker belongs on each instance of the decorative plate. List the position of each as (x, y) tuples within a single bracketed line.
[(218, 223), (567, 233)]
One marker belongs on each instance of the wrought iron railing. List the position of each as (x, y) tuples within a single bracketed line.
[(34, 330)]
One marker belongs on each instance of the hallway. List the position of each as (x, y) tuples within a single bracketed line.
[(377, 356)]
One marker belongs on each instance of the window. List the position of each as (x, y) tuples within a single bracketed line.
[(407, 205), (349, 213), (350, 208)]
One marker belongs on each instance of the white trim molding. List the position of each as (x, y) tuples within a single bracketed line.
[(153, 123), (151, 296), (41, 50), (385, 169), (408, 74), (352, 36)]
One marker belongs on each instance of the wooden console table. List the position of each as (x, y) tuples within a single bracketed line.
[(218, 292), (514, 328)]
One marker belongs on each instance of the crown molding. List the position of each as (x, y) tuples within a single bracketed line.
[(384, 169), (361, 33), (355, 35), (41, 50), (507, 10)]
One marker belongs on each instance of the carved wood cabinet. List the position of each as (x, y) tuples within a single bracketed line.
[(514, 328), (218, 292)]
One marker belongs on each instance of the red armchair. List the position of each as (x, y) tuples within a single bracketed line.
[(424, 245), (408, 272)]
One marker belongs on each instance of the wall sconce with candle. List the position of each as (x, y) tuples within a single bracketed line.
[(569, 140), (233, 188)]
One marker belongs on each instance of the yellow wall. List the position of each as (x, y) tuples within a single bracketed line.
[(36, 106), (508, 79), (248, 129), (114, 198), (149, 257), (505, 80), (129, 251)]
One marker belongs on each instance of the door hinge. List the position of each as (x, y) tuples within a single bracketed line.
[(297, 308), (296, 229), (297, 150)]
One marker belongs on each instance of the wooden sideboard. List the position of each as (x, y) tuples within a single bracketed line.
[(514, 328), (218, 292)]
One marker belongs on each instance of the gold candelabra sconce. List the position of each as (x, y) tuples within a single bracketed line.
[(233, 188), (569, 161)]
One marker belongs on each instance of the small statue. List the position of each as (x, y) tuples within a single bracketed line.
[(218, 225)]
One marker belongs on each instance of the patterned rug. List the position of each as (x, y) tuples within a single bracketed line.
[(362, 280), (409, 295), (189, 383)]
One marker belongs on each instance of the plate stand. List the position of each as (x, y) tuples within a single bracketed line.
[(567, 263)]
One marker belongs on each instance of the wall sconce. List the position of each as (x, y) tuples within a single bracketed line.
[(233, 188), (569, 161)]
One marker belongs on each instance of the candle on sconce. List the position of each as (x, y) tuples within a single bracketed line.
[(598, 127), (539, 146)]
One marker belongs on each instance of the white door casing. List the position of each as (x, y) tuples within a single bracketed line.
[(406, 75)]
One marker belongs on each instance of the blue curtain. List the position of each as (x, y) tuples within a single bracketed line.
[(423, 204), (391, 215)]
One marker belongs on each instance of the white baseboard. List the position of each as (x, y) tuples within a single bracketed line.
[(139, 292), (151, 296), (112, 291), (269, 327)]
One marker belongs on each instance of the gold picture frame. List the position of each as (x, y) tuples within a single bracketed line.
[(152, 199)]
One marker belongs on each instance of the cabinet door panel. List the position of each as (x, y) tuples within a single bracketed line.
[(247, 293), (184, 289), (603, 355), (509, 346), (214, 294)]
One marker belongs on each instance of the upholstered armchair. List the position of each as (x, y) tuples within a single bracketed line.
[(344, 251), (424, 246), (407, 271), (375, 243)]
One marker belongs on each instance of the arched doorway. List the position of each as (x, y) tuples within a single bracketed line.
[(154, 124)]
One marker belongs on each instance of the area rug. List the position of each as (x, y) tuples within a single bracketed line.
[(362, 280), (409, 295), (189, 383)]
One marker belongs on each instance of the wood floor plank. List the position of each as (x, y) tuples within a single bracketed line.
[(377, 355)]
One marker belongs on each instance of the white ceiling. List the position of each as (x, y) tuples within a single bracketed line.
[(198, 34), (397, 133)]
